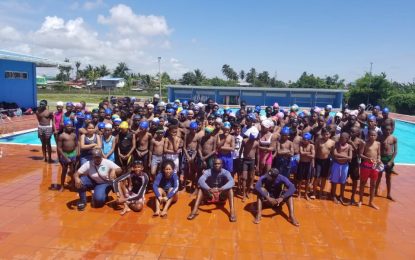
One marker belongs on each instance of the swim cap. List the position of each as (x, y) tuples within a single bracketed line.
[(329, 107), (114, 116), (385, 110), (144, 125), (43, 103), (177, 101), (67, 122), (267, 123), (301, 114), (227, 125), (80, 115), (101, 125), (317, 110), (307, 136), (209, 129), (232, 114), (219, 120), (59, 104), (108, 126), (276, 105), (124, 125), (377, 107), (184, 112), (185, 102), (155, 120), (363, 106), (179, 110), (150, 106), (285, 130), (273, 172), (78, 105), (252, 131), (371, 118), (294, 107), (258, 109), (175, 106), (69, 104), (193, 125), (251, 116), (170, 110), (117, 121), (108, 111), (88, 117), (339, 114), (280, 115)]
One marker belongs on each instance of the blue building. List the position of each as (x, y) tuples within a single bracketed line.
[(18, 77), (303, 97)]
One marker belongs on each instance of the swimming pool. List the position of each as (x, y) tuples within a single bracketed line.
[(404, 132)]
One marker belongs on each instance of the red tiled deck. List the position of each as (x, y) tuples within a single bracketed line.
[(38, 223)]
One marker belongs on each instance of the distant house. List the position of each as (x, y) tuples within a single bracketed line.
[(110, 83)]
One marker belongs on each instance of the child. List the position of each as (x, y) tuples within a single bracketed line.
[(165, 187), (190, 151), (108, 143), (131, 188), (306, 164), (389, 149), (171, 146), (68, 151), (371, 159), (342, 155), (206, 150), (126, 146), (323, 147), (248, 152), (45, 129), (156, 151), (285, 150), (225, 144), (143, 138), (237, 162), (266, 146), (357, 148)]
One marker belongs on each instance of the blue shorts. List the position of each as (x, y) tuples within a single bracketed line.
[(283, 164), (294, 163), (227, 160), (338, 173)]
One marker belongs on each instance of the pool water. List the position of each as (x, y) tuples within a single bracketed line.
[(403, 131)]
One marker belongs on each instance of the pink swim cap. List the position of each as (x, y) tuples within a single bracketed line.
[(280, 115), (276, 105)]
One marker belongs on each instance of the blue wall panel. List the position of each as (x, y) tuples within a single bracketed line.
[(21, 91)]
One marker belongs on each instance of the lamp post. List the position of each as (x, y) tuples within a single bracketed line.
[(159, 59)]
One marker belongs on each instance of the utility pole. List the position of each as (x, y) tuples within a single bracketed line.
[(370, 81), (159, 59)]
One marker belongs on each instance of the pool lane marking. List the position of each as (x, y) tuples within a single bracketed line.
[(19, 132)]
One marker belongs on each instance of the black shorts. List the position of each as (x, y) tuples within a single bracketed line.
[(322, 168), (248, 165), (237, 165), (304, 171), (354, 169)]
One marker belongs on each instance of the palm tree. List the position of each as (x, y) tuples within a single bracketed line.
[(103, 70), (251, 76), (92, 76), (229, 73), (121, 70), (242, 75), (77, 65), (199, 77)]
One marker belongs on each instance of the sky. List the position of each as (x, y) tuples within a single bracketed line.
[(285, 38)]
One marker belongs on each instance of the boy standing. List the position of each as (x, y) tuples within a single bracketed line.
[(225, 144), (68, 151), (285, 150), (371, 159), (248, 152), (45, 129), (389, 149), (306, 164), (342, 155), (357, 145), (156, 151), (323, 147)]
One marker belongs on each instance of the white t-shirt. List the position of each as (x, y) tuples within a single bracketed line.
[(99, 173), (238, 144)]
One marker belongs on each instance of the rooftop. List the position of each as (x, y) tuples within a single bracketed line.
[(257, 88), (40, 62)]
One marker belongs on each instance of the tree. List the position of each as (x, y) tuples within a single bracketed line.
[(64, 72), (121, 71), (103, 70), (242, 75), (229, 73), (188, 78), (199, 77), (263, 78), (92, 76), (251, 76), (77, 65)]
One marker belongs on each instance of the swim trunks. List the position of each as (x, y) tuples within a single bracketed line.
[(283, 164), (227, 161), (354, 169), (44, 131), (70, 155), (322, 168), (338, 173), (304, 171), (156, 159), (385, 160), (367, 171)]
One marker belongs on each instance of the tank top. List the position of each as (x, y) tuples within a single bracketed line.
[(125, 142), (106, 147), (58, 117), (86, 153)]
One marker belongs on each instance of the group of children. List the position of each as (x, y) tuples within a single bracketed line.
[(308, 146)]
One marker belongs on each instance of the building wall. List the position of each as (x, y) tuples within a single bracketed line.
[(21, 91), (302, 98)]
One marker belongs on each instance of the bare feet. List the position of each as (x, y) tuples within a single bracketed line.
[(163, 214), (352, 202), (232, 218), (390, 198), (192, 216), (62, 188), (342, 201), (335, 200), (257, 220), (294, 221), (307, 197), (125, 210), (156, 214), (373, 206), (359, 204)]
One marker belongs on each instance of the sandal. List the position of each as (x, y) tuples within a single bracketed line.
[(81, 206)]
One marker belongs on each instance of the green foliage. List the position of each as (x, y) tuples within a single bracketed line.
[(311, 81), (121, 71), (369, 89), (229, 73), (402, 103)]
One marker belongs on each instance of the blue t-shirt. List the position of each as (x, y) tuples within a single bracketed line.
[(211, 179)]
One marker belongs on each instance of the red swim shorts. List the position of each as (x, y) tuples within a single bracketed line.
[(367, 171)]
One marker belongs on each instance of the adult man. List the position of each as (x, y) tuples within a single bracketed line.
[(95, 174), (271, 191), (156, 99), (215, 185), (45, 129)]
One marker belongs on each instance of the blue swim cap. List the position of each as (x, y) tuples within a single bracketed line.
[(377, 107), (108, 111), (170, 110), (251, 116), (101, 125), (88, 117), (226, 125), (301, 114), (307, 136), (144, 125), (184, 112), (80, 115), (69, 104), (371, 118), (385, 110), (185, 102), (117, 121), (193, 125), (285, 130), (175, 106), (67, 122)]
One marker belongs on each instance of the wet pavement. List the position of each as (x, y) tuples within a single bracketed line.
[(38, 223)]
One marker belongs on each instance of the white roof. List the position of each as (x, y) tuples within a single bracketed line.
[(40, 62)]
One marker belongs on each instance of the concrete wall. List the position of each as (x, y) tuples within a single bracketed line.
[(303, 98), (21, 91)]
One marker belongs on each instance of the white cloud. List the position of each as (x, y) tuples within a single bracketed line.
[(9, 33), (128, 23), (89, 5)]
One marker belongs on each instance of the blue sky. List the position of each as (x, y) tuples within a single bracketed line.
[(283, 37)]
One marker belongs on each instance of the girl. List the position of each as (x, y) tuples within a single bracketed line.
[(88, 142)]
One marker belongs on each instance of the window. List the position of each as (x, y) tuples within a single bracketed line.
[(15, 75)]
